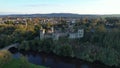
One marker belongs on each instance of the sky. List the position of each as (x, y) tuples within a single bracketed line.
[(59, 6)]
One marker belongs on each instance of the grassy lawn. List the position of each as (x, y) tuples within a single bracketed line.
[(16, 63)]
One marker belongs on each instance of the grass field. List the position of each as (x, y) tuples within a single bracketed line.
[(16, 63)]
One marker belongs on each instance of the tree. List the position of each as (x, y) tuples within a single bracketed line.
[(5, 57)]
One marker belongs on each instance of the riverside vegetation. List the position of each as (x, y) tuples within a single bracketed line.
[(6, 61), (101, 45)]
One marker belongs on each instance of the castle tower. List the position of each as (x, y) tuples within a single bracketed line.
[(42, 33), (52, 29)]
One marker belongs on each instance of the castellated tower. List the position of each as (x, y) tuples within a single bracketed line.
[(42, 33)]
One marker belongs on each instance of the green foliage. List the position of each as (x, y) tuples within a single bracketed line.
[(20, 63), (37, 29), (63, 50), (100, 28), (37, 45), (102, 44), (6, 61), (109, 56), (46, 45), (5, 57), (66, 50), (24, 45), (7, 29), (11, 33), (24, 62)]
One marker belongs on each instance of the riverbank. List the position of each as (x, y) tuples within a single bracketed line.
[(6, 61), (74, 48), (54, 61), (17, 63)]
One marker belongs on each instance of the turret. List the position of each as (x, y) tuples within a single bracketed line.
[(42, 32)]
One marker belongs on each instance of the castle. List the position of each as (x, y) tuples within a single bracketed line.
[(52, 33)]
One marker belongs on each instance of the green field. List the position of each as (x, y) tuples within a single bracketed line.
[(17, 63)]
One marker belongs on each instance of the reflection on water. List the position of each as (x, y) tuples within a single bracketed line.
[(53, 61)]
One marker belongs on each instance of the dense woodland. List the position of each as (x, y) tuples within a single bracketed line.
[(101, 42)]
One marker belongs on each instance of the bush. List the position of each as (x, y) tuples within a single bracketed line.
[(64, 50), (46, 45), (5, 57), (25, 45), (109, 56)]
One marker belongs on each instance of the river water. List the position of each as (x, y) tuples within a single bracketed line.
[(53, 61)]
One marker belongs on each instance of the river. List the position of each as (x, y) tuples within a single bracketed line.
[(53, 61)]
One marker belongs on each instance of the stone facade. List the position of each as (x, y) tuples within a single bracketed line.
[(57, 35)]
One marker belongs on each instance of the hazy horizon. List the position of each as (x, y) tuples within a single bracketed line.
[(99, 7), (49, 13)]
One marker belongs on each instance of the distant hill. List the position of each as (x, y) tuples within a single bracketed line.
[(112, 15), (50, 15), (60, 15)]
